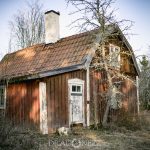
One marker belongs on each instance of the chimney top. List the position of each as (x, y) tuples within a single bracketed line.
[(53, 12), (51, 26)]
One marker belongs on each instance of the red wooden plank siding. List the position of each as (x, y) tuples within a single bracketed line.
[(58, 100), (63, 102), (23, 99), (67, 76), (98, 84), (23, 103)]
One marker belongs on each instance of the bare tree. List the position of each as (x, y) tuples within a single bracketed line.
[(100, 15), (27, 28), (145, 82)]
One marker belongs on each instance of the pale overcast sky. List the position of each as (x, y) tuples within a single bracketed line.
[(135, 10)]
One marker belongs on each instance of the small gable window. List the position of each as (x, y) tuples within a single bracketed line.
[(114, 53), (2, 96)]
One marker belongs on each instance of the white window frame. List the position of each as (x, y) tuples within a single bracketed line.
[(111, 53), (76, 87), (4, 94)]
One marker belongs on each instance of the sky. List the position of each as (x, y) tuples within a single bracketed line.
[(135, 10)]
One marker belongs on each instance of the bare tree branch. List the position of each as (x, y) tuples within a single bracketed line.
[(100, 15), (27, 28)]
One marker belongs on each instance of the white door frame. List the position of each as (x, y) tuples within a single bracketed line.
[(76, 81), (43, 108)]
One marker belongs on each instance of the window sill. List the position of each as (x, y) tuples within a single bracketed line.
[(2, 107)]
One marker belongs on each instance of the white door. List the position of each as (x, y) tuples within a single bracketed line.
[(76, 101)]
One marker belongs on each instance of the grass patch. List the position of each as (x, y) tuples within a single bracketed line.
[(122, 136)]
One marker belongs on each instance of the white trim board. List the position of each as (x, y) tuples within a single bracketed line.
[(43, 108)]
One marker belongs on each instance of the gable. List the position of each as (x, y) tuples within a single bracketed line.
[(127, 64), (132, 55)]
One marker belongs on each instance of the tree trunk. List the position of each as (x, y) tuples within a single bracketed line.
[(105, 117), (95, 103), (110, 85)]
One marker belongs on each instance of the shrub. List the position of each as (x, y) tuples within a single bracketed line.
[(128, 121), (15, 137)]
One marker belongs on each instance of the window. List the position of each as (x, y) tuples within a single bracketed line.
[(2, 97), (114, 53), (116, 97), (76, 89)]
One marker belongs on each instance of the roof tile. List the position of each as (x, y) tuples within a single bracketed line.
[(46, 57)]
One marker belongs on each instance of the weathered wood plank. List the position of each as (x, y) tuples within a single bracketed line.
[(22, 99)]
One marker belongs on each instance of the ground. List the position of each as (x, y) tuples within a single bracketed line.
[(85, 139), (129, 137), (100, 139)]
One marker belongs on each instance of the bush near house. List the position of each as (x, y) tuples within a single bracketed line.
[(15, 137)]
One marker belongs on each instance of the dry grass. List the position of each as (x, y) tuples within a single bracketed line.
[(110, 138), (99, 140)]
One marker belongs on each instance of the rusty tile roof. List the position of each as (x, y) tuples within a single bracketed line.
[(66, 52)]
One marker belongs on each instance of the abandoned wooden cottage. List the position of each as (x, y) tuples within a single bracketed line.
[(51, 85)]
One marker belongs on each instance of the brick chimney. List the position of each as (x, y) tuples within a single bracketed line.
[(51, 26)]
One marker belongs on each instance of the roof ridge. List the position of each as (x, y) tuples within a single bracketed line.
[(71, 36), (40, 44), (85, 32)]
